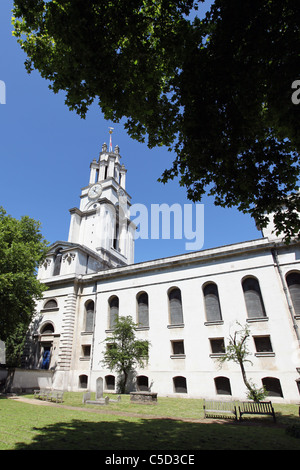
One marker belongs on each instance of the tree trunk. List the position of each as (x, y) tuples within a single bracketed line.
[(244, 376)]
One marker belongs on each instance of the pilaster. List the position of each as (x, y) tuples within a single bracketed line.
[(67, 332)]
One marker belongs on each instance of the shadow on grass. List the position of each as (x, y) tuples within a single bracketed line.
[(121, 434), (152, 435)]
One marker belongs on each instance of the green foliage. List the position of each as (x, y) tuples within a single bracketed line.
[(14, 345), (237, 348), (22, 247), (256, 394), (215, 90), (124, 352)]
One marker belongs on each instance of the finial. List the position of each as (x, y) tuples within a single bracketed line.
[(110, 141)]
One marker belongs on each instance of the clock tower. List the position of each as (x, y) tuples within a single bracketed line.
[(102, 223)]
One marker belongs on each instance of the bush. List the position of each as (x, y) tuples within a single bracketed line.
[(256, 394)]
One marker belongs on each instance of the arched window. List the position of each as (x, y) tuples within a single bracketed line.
[(83, 381), (142, 383), (175, 307), (253, 298), (222, 385), (57, 262), (143, 309), (89, 315), (293, 282), (273, 387), (50, 304), (212, 303), (113, 311), (47, 329), (116, 239), (110, 382), (180, 385)]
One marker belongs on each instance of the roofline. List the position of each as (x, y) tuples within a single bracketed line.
[(189, 258)]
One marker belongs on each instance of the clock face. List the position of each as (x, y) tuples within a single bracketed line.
[(95, 191)]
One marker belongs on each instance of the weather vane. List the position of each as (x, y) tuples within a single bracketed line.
[(110, 142)]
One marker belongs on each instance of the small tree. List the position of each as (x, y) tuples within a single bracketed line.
[(124, 352), (237, 352)]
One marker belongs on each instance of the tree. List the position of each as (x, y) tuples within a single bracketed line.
[(216, 90), (124, 352), (22, 247), (238, 352)]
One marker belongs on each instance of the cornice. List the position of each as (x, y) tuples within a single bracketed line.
[(188, 259)]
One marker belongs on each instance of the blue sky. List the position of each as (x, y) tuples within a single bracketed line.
[(46, 150)]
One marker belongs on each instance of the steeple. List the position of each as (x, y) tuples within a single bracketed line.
[(102, 221)]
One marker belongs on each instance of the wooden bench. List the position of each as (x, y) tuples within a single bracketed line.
[(42, 393), (256, 408), (219, 408), (57, 396), (49, 395)]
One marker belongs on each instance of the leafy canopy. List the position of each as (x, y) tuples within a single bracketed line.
[(124, 352), (215, 90), (22, 247)]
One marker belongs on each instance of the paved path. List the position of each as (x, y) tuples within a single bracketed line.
[(35, 401)]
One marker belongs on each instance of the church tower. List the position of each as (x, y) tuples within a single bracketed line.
[(101, 235), (102, 222)]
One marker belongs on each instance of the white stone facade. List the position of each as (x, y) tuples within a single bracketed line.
[(187, 305)]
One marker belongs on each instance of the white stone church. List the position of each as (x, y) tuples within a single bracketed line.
[(186, 306)]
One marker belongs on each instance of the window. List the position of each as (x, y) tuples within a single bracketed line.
[(86, 350), (212, 303), (293, 282), (142, 383), (179, 384), (143, 309), (222, 385), (116, 236), (47, 329), (113, 311), (177, 347), (175, 307), (273, 387), (109, 382), (217, 345), (263, 344), (50, 304), (83, 381), (254, 302), (89, 316), (57, 262)]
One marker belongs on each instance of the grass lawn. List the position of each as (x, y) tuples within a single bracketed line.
[(32, 427)]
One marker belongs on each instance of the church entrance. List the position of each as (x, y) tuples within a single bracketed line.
[(45, 356)]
